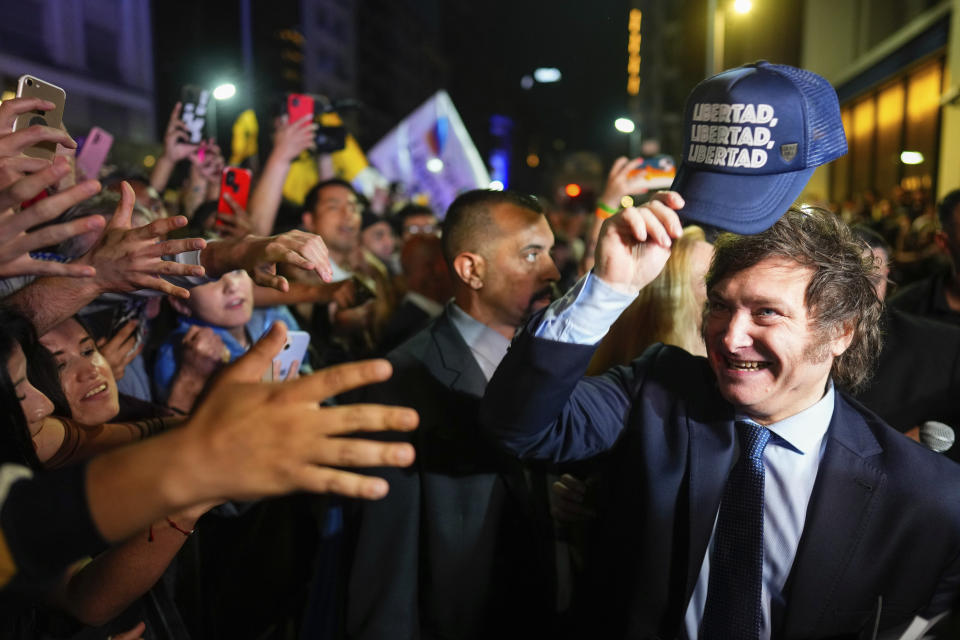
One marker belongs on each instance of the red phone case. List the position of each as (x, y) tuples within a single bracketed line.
[(298, 105), (236, 182)]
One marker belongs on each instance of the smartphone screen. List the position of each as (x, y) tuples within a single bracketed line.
[(195, 102), (31, 87), (236, 182)]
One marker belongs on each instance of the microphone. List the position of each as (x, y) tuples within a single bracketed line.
[(936, 436)]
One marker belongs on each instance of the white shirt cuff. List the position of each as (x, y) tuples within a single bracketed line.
[(584, 314)]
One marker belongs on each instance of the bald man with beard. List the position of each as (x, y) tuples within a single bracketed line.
[(462, 546)]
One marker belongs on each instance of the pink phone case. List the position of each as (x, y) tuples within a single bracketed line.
[(91, 157)]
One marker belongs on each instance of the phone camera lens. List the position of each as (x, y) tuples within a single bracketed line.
[(29, 83), (296, 102)]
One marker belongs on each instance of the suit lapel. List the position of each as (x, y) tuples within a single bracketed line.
[(450, 360), (839, 510)]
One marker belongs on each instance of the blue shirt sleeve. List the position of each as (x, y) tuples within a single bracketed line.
[(584, 314)]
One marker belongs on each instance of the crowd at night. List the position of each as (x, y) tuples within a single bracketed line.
[(346, 320)]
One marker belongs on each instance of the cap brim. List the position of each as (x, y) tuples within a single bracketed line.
[(738, 203)]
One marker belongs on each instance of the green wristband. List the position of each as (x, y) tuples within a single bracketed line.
[(603, 205)]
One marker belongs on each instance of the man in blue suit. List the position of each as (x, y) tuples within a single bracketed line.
[(744, 495)]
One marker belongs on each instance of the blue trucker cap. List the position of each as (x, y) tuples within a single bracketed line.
[(753, 137)]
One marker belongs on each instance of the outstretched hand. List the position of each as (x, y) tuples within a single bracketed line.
[(16, 242), (255, 439), (634, 244), (259, 256), (127, 259)]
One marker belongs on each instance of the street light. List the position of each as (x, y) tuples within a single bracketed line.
[(225, 91), (716, 17), (911, 157), (546, 75), (624, 125)]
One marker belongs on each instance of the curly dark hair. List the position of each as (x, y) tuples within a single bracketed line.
[(840, 294)]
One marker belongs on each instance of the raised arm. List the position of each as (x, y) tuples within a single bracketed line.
[(289, 141), (176, 147), (538, 404)]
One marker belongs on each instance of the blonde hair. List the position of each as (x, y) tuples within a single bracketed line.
[(666, 310)]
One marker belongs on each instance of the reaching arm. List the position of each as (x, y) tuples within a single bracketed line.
[(259, 256), (98, 591), (290, 139), (536, 403), (247, 440), (123, 259), (299, 292)]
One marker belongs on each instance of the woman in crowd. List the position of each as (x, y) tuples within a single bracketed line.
[(82, 386), (99, 590)]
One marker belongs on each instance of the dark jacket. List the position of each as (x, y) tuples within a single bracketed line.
[(883, 518), (461, 546)]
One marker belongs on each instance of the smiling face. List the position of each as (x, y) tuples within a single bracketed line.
[(770, 359), (85, 375), (36, 406)]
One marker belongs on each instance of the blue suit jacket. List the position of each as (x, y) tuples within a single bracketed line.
[(883, 519)]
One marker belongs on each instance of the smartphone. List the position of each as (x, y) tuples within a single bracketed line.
[(195, 101), (93, 153), (299, 105), (31, 87), (293, 350), (236, 182)]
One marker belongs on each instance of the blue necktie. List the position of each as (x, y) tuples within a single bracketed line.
[(736, 566)]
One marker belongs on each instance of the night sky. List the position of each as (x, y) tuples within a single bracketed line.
[(486, 48)]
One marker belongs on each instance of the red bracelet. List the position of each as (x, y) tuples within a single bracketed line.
[(173, 525)]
